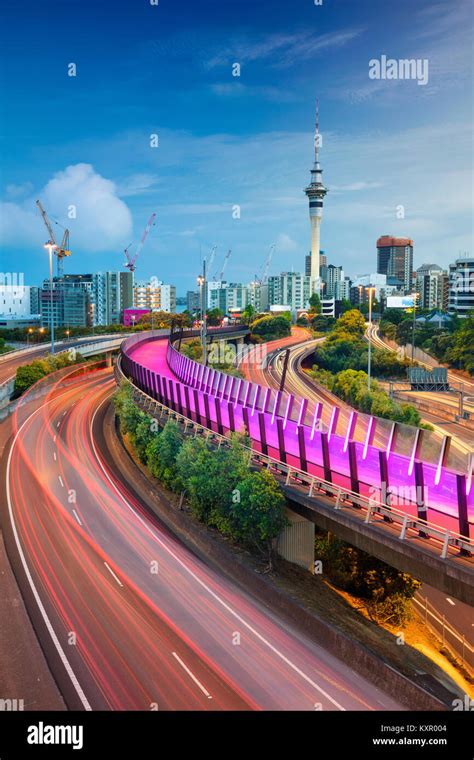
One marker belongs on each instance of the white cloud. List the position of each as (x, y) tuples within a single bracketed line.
[(286, 244), (17, 191), (103, 221), (137, 184)]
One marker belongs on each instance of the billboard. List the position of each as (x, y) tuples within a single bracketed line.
[(400, 302)]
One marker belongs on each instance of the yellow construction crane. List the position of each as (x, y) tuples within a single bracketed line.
[(61, 251)]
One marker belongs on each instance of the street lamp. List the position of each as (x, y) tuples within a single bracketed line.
[(202, 305), (30, 330), (67, 334), (50, 246), (369, 359), (133, 321), (415, 296)]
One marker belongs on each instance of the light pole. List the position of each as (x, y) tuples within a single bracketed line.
[(50, 247), (202, 305), (30, 330), (133, 321), (369, 359), (415, 296)]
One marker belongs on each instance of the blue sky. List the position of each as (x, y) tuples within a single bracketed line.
[(225, 140)]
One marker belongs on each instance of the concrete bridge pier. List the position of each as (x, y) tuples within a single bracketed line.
[(296, 542)]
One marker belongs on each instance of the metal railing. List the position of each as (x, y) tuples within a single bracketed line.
[(450, 638), (343, 498)]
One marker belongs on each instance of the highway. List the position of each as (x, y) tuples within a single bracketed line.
[(133, 619), (10, 362), (457, 613), (461, 437)]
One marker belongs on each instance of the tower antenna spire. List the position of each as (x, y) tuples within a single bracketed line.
[(316, 134)]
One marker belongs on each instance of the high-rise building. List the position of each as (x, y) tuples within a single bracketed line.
[(292, 289), (316, 193), (112, 293), (70, 302), (192, 301), (257, 295), (157, 297), (18, 300), (395, 259), (461, 286), (430, 285)]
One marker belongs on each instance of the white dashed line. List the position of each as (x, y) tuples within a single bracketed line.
[(61, 480), (191, 675), (54, 455), (450, 601), (113, 574), (76, 516)]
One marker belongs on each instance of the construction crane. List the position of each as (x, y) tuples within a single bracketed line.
[(212, 257), (226, 259), (265, 269), (60, 251), (131, 260)]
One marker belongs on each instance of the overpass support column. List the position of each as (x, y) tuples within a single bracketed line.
[(296, 542)]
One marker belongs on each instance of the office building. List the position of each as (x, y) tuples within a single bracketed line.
[(431, 286), (395, 259), (192, 301), (157, 297), (289, 288), (461, 286)]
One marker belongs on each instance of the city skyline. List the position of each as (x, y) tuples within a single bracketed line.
[(227, 141)]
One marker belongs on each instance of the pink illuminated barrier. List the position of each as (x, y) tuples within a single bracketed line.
[(276, 427)]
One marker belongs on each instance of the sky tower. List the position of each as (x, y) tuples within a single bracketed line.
[(316, 192)]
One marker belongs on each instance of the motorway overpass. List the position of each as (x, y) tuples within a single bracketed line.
[(335, 480)]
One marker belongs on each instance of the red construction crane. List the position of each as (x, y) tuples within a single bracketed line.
[(130, 263)]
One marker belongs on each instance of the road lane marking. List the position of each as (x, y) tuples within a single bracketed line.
[(215, 596), (77, 516), (450, 601), (44, 615), (61, 480), (191, 675), (113, 574), (54, 455)]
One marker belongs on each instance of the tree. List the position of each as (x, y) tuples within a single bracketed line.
[(315, 304), (351, 322), (257, 514), (384, 591), (214, 317), (271, 328), (161, 455), (28, 374), (248, 314)]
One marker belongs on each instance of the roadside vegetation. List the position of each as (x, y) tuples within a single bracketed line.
[(4, 348), (340, 366), (28, 374), (451, 343), (384, 592), (244, 505), (345, 348), (268, 328)]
